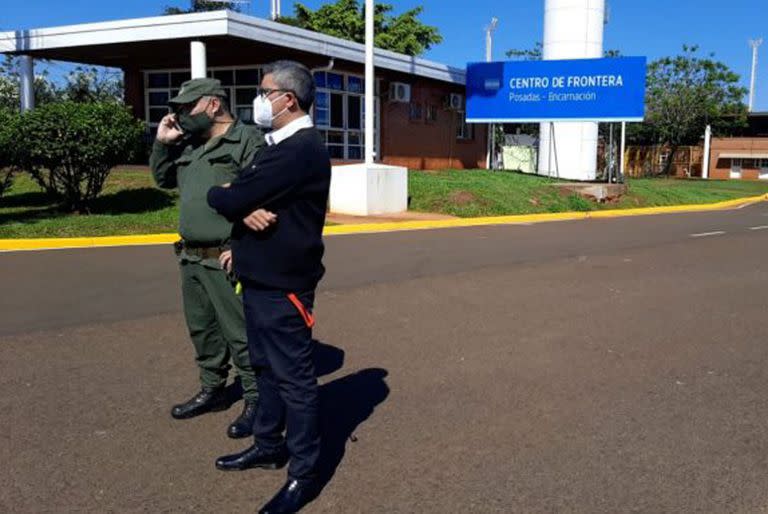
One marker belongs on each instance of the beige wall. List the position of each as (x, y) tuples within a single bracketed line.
[(720, 168)]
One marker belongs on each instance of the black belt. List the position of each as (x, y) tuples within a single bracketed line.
[(203, 251)]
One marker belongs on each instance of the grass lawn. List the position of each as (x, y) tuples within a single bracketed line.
[(130, 204), (471, 193)]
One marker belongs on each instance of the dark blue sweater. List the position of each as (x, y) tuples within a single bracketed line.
[(291, 179)]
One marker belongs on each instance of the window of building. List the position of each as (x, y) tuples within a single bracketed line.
[(339, 109), (239, 82), (762, 165), (464, 130), (736, 167), (339, 113), (415, 111), (431, 114)]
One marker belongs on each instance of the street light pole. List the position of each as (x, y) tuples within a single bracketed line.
[(755, 44), (488, 58)]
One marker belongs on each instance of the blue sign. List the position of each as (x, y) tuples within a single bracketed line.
[(611, 89)]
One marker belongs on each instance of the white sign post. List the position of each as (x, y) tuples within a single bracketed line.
[(370, 187)]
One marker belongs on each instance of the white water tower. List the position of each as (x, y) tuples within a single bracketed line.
[(573, 29)]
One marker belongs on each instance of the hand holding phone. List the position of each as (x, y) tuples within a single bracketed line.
[(169, 131)]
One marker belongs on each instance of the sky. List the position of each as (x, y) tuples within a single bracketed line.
[(652, 28)]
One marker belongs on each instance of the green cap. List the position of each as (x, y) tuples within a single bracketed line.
[(193, 90)]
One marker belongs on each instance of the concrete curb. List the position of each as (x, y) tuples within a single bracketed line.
[(13, 245)]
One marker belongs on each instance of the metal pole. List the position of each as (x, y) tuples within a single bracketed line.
[(369, 78), (707, 146), (754, 43), (488, 58), (623, 149), (549, 164), (27, 72), (610, 152)]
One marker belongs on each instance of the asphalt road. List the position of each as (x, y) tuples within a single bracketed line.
[(593, 366)]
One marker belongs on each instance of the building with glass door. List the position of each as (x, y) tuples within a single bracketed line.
[(419, 105)]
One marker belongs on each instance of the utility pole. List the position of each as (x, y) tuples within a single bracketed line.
[(488, 58), (755, 44)]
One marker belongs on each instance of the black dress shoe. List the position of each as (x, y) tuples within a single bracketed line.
[(253, 457), (207, 400), (243, 425), (294, 495)]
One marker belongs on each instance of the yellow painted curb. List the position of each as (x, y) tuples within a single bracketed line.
[(7, 245), (518, 219)]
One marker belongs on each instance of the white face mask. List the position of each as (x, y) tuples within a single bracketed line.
[(262, 111)]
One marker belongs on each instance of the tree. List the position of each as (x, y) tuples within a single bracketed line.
[(69, 148), (83, 84), (9, 126), (10, 85), (527, 54), (686, 92), (202, 6), (345, 19), (92, 85), (537, 53)]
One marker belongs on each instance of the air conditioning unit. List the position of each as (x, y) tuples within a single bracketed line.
[(399, 92), (455, 102)]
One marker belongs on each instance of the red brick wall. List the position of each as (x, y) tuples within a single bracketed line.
[(418, 144), (720, 168)]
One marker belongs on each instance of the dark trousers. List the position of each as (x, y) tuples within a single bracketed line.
[(280, 347), (216, 325)]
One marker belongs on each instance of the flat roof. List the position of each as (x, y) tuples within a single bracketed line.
[(72, 42)]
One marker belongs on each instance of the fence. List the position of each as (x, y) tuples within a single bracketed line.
[(650, 161)]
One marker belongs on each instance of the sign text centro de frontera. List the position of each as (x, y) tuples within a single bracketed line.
[(611, 89)]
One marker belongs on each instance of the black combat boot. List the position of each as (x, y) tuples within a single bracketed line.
[(207, 400)]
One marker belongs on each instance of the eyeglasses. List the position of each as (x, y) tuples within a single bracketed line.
[(266, 91)]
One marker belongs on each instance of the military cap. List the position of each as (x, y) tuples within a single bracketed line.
[(193, 90)]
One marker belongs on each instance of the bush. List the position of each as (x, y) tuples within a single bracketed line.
[(69, 148), (9, 125)]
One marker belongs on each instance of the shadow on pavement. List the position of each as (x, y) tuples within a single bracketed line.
[(328, 359), (345, 403)]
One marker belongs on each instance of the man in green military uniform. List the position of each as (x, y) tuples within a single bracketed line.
[(200, 145)]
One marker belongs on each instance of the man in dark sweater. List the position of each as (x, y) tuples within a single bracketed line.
[(279, 269)]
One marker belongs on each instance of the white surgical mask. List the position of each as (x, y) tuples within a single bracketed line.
[(262, 111)]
